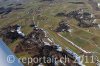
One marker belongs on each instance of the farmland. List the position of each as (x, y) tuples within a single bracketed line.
[(86, 38)]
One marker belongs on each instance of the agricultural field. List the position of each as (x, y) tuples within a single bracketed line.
[(43, 13)]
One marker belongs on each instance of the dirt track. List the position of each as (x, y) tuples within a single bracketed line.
[(73, 44)]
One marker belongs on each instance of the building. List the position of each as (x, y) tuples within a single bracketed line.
[(12, 33), (63, 27), (98, 5), (75, 56)]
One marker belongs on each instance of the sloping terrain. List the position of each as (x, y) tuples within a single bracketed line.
[(44, 15)]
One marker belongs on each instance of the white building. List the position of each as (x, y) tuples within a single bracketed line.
[(98, 4)]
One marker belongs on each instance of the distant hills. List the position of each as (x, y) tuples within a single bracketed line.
[(12, 1)]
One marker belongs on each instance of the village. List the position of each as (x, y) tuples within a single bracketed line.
[(44, 38), (38, 44)]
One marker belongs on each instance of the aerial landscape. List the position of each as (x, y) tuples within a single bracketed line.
[(50, 32)]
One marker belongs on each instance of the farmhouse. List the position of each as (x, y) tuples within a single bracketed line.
[(63, 26), (98, 5), (12, 32), (84, 19), (37, 46)]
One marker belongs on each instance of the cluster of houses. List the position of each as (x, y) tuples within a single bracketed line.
[(11, 33), (38, 44), (63, 27), (84, 19)]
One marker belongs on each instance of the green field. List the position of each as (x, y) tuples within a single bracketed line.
[(88, 39)]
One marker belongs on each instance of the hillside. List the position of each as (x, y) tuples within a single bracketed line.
[(43, 13)]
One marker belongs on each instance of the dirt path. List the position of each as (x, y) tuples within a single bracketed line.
[(73, 44)]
